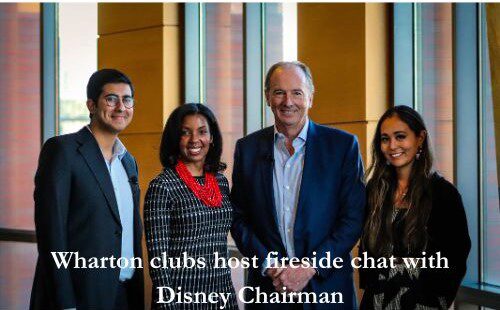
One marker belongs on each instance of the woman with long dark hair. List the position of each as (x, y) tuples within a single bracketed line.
[(187, 212), (412, 212)]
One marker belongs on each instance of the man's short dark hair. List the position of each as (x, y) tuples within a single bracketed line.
[(169, 147), (103, 77)]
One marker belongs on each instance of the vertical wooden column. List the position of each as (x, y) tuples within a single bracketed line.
[(346, 45), (144, 41), (493, 27)]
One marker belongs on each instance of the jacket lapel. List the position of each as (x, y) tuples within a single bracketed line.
[(89, 149), (266, 158), (308, 177)]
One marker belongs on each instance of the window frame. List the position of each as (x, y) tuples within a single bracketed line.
[(50, 43), (48, 87), (254, 58), (468, 43)]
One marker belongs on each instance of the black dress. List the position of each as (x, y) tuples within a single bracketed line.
[(176, 221), (423, 288)]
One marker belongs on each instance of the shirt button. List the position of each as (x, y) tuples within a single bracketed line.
[(287, 187), (288, 230), (288, 165)]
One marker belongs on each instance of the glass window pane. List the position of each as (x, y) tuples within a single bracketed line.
[(224, 72), (491, 214), (224, 81), (435, 80), (16, 274), (280, 38), (77, 61), (281, 32), (20, 107)]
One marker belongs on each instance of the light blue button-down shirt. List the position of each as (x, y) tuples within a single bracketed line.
[(287, 177), (125, 202)]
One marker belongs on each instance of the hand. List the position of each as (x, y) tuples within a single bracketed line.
[(294, 279), (273, 272)]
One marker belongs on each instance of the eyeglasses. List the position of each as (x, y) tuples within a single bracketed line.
[(113, 100)]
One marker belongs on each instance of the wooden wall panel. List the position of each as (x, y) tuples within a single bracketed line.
[(139, 54), (120, 17), (331, 39), (493, 26)]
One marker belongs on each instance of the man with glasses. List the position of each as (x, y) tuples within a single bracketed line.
[(87, 209)]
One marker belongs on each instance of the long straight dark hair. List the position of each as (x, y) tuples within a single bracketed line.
[(382, 184)]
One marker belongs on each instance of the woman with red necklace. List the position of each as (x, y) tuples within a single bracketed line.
[(187, 210)]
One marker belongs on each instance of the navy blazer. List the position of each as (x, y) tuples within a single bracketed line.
[(329, 214), (76, 211)]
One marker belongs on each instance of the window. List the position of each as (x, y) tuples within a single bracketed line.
[(280, 39), (441, 67), (434, 79), (16, 271), (224, 72), (77, 28), (20, 138), (20, 127), (229, 47), (423, 72)]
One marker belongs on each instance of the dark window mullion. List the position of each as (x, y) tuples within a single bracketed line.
[(49, 76), (17, 235), (467, 133)]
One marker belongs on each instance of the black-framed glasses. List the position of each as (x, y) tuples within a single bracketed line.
[(113, 100)]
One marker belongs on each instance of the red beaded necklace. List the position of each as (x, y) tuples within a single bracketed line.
[(209, 194)]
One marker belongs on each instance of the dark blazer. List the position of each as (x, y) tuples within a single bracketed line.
[(447, 233), (76, 211), (329, 214)]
